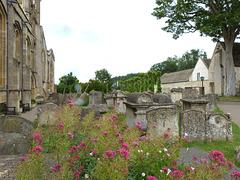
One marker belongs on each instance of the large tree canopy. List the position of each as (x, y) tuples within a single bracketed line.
[(215, 18), (105, 77)]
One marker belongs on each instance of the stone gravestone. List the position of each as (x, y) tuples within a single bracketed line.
[(211, 106), (163, 117), (15, 134), (192, 125), (162, 98), (218, 128), (190, 93), (116, 98), (96, 97), (46, 114), (237, 154), (136, 106), (176, 94)]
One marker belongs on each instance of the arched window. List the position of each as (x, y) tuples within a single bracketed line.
[(17, 44), (2, 49)]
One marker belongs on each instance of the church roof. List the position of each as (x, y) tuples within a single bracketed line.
[(179, 76)]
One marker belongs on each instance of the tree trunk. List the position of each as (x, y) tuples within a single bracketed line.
[(230, 74)]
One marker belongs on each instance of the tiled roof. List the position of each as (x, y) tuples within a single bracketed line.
[(207, 62), (179, 76)]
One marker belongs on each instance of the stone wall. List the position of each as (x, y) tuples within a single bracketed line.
[(15, 134)]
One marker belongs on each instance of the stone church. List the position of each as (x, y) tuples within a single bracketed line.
[(26, 66)]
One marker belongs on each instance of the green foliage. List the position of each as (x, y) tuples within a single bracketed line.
[(229, 99), (215, 19), (67, 84), (93, 85), (173, 64), (33, 101), (105, 77)]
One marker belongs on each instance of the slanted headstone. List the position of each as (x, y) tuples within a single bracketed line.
[(82, 100), (163, 117), (15, 134), (46, 114), (96, 97), (218, 128), (162, 98), (192, 125)]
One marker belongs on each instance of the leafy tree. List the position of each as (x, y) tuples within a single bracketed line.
[(93, 85), (67, 83), (170, 65), (215, 18), (105, 77)]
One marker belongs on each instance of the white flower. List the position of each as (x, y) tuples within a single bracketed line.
[(86, 176), (160, 151), (192, 168), (141, 150), (143, 174), (161, 171), (147, 154), (187, 149), (91, 154), (165, 149), (186, 134), (99, 159), (168, 154), (168, 171)]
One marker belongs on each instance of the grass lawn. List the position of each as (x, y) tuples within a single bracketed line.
[(229, 99)]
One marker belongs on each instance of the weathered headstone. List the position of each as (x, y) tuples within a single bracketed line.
[(15, 134), (218, 128), (237, 154), (165, 118), (211, 106), (116, 98), (46, 114), (176, 94), (162, 98), (96, 97), (192, 125), (195, 104), (190, 93)]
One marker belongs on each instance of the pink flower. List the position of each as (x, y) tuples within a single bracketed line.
[(194, 158), (135, 144), (80, 113), (114, 126), (230, 165), (105, 133), (109, 154), (61, 125), (154, 126), (114, 106), (169, 128), (93, 104), (188, 169), (83, 144), (151, 178), (94, 140), (38, 139), (125, 146), (114, 117), (117, 133), (185, 139), (94, 152), (71, 104), (38, 149), (177, 174), (76, 174), (70, 135), (118, 103), (69, 101), (23, 159), (166, 135), (57, 168), (124, 153)]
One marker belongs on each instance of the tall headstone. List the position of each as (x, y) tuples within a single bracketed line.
[(96, 97), (192, 125), (165, 118)]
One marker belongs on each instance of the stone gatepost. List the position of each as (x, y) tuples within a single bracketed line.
[(176, 94), (218, 127), (163, 117)]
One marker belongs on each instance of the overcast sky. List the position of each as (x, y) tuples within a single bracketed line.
[(121, 36)]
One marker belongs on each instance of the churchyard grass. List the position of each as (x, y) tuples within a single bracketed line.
[(229, 99), (106, 148)]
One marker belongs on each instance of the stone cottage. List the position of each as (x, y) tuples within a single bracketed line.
[(26, 66), (211, 69)]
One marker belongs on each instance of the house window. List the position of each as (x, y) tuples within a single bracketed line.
[(198, 77)]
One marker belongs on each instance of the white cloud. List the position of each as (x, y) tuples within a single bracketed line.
[(121, 36)]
